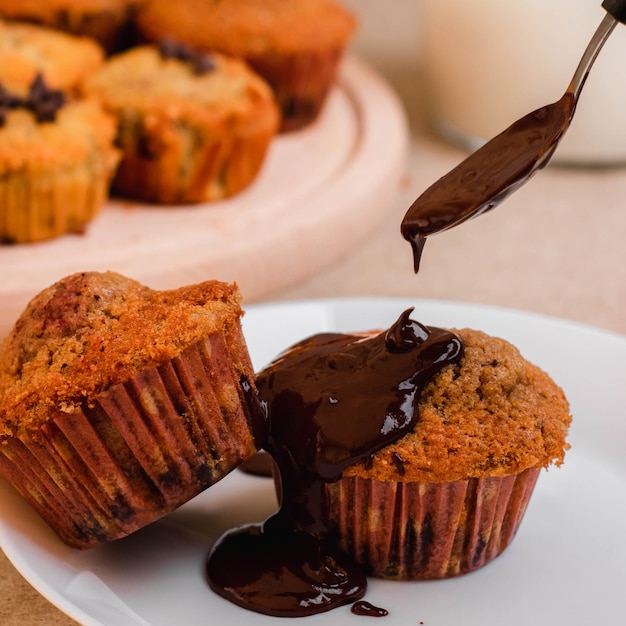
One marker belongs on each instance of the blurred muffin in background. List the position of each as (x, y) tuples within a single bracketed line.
[(295, 45), (27, 50), (109, 22), (193, 127), (57, 160)]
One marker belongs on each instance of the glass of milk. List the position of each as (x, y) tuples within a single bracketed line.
[(489, 62)]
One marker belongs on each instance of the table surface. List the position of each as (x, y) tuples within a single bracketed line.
[(555, 247)]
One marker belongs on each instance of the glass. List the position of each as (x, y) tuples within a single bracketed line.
[(488, 63)]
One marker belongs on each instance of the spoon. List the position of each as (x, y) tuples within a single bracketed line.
[(503, 164)]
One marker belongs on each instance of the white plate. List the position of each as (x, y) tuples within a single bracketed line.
[(566, 567)]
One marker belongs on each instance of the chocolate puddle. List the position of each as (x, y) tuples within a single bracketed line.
[(333, 400), (365, 608)]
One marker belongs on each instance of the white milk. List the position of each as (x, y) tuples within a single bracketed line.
[(489, 62)]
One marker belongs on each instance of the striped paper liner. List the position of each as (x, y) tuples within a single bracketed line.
[(423, 531), (301, 82), (141, 450)]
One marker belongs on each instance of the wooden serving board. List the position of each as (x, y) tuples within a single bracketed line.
[(320, 192)]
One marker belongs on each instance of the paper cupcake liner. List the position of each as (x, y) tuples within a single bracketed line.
[(301, 83), (44, 206), (222, 164), (422, 531), (140, 451)]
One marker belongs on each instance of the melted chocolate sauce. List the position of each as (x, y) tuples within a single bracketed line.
[(489, 175), (260, 464), (332, 400), (365, 608)]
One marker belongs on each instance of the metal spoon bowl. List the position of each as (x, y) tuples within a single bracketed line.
[(503, 164)]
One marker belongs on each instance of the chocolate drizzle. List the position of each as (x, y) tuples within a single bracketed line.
[(365, 608), (199, 61), (489, 175), (43, 101), (332, 400)]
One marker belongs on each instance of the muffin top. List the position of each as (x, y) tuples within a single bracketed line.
[(109, 22), (27, 50), (493, 414), (250, 27), (27, 8), (92, 330), (79, 131), (206, 88)]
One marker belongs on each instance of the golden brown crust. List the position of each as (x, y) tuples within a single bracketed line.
[(186, 137), (494, 414), (82, 131), (142, 80), (27, 50), (106, 21), (92, 330), (250, 27), (28, 8)]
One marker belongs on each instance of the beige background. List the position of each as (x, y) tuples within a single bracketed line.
[(555, 247)]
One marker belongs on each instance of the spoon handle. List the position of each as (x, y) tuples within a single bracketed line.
[(617, 8), (602, 33)]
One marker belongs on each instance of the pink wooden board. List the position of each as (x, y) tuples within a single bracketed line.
[(320, 192)]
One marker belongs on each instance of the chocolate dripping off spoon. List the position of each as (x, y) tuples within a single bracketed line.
[(506, 162)]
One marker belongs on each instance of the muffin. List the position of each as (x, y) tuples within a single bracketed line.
[(27, 50), (426, 448), (57, 159), (192, 127), (296, 46), (109, 22), (119, 403), (448, 497)]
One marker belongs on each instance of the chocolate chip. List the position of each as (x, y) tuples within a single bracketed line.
[(200, 62), (43, 101), (398, 461)]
